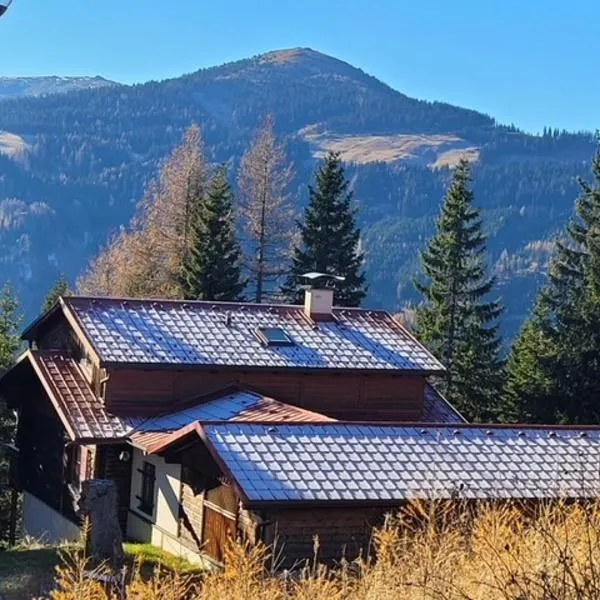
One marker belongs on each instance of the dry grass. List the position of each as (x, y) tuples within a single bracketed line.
[(12, 145), (428, 552), (432, 150)]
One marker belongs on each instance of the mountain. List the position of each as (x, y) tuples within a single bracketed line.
[(73, 166), (17, 87)]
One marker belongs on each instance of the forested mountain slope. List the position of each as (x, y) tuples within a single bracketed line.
[(15, 87), (72, 166)]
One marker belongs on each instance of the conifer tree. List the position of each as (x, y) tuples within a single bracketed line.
[(456, 321), (529, 394), (213, 269), (9, 345), (329, 237), (567, 359), (60, 288)]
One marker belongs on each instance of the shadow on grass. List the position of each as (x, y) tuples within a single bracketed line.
[(27, 573)]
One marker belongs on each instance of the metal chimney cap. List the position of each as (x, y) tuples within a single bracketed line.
[(315, 275)]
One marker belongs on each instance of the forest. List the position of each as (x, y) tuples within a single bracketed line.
[(86, 156)]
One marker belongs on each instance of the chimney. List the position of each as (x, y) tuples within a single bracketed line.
[(318, 304)]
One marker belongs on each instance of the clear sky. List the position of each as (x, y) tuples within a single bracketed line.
[(531, 62)]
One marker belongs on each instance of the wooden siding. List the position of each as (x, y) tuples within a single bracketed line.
[(191, 510), (342, 396), (342, 532), (217, 530)]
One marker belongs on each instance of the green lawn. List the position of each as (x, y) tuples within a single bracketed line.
[(25, 573)]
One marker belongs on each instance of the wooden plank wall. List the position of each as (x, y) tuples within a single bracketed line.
[(342, 532), (342, 396)]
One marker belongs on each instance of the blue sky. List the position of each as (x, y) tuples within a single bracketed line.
[(531, 62)]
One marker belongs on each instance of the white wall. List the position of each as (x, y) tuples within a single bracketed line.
[(162, 527), (45, 524)]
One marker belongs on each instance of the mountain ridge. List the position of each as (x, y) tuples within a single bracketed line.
[(16, 87), (77, 164)]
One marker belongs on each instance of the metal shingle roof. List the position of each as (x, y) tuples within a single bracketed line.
[(436, 409), (374, 462), (240, 405), (197, 333), (82, 411)]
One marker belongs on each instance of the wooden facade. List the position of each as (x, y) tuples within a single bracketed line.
[(211, 514), (384, 397)]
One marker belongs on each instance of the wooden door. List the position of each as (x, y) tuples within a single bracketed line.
[(218, 528)]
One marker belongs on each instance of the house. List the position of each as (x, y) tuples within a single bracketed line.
[(271, 422)]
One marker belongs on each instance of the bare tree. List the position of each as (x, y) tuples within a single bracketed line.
[(265, 210), (147, 259)]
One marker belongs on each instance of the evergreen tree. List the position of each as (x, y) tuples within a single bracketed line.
[(9, 345), (329, 237), (568, 360), (456, 322), (212, 271), (529, 394), (60, 288)]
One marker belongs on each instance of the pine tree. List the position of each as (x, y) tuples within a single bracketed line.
[(329, 237), (266, 211), (60, 288), (567, 359), (456, 322), (213, 269)]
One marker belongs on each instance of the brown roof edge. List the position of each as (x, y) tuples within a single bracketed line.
[(29, 332), (167, 366), (40, 371), (407, 424), (196, 428), (61, 305)]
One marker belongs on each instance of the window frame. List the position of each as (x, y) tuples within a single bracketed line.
[(264, 339), (147, 493)]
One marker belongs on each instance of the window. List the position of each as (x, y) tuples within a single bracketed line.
[(274, 336), (146, 496)]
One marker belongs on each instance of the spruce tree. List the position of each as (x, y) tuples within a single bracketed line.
[(529, 394), (212, 271), (60, 288), (456, 320), (568, 360), (330, 237)]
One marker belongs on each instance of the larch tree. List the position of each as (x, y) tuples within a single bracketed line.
[(568, 359), (213, 271), (329, 237), (147, 259), (456, 321), (265, 212)]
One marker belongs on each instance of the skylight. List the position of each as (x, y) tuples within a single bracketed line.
[(274, 336)]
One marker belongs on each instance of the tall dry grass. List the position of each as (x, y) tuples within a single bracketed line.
[(550, 552)]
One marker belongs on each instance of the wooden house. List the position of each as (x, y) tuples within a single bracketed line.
[(271, 422)]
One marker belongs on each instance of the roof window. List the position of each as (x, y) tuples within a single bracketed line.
[(273, 336)]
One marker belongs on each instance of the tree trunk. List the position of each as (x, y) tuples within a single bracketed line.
[(99, 504)]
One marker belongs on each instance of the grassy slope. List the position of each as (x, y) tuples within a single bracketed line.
[(24, 573)]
